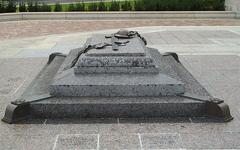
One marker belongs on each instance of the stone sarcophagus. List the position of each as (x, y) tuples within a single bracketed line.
[(115, 76)]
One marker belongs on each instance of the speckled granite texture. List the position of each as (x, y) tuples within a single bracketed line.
[(170, 106)]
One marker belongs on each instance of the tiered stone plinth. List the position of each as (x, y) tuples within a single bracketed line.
[(129, 71), (133, 81)]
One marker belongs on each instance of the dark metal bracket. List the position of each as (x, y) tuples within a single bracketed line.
[(174, 55), (20, 108), (214, 107), (16, 113), (30, 99), (53, 55)]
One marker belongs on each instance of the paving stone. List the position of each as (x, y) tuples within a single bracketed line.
[(119, 128), (11, 81), (163, 127), (76, 141), (29, 53), (119, 141), (38, 142), (77, 126), (66, 47), (7, 141), (161, 141), (21, 29), (218, 140), (211, 127)]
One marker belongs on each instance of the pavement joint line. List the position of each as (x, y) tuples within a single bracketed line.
[(98, 141), (180, 138), (140, 141), (215, 41), (234, 31), (190, 119), (15, 91), (55, 142), (174, 133), (45, 121)]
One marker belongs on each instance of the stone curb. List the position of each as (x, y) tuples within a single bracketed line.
[(118, 15)]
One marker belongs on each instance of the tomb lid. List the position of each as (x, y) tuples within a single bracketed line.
[(133, 47)]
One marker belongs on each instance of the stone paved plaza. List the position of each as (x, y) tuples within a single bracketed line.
[(210, 53)]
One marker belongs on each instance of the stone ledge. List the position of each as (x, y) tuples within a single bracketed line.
[(116, 15)]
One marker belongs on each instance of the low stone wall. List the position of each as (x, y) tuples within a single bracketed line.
[(116, 15)]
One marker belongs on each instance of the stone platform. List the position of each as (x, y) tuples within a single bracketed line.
[(61, 91), (67, 83), (161, 106)]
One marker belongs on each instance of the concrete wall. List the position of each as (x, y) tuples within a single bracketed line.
[(232, 5), (116, 15)]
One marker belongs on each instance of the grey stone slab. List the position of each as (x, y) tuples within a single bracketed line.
[(66, 83), (210, 126), (164, 127), (154, 38), (116, 70), (81, 121), (119, 129), (7, 142), (4, 101), (36, 53), (133, 48), (169, 37), (118, 61), (217, 140), (38, 142), (154, 120), (43, 78), (117, 107), (14, 72), (124, 106), (115, 85), (161, 141), (66, 47), (76, 141), (119, 141)]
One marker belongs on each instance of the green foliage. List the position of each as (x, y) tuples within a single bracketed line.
[(36, 7), (127, 6), (22, 7), (114, 6), (71, 7), (80, 7), (2, 7), (30, 6), (93, 7), (138, 5), (219, 5), (44, 8), (102, 7), (179, 5), (11, 6), (57, 7)]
